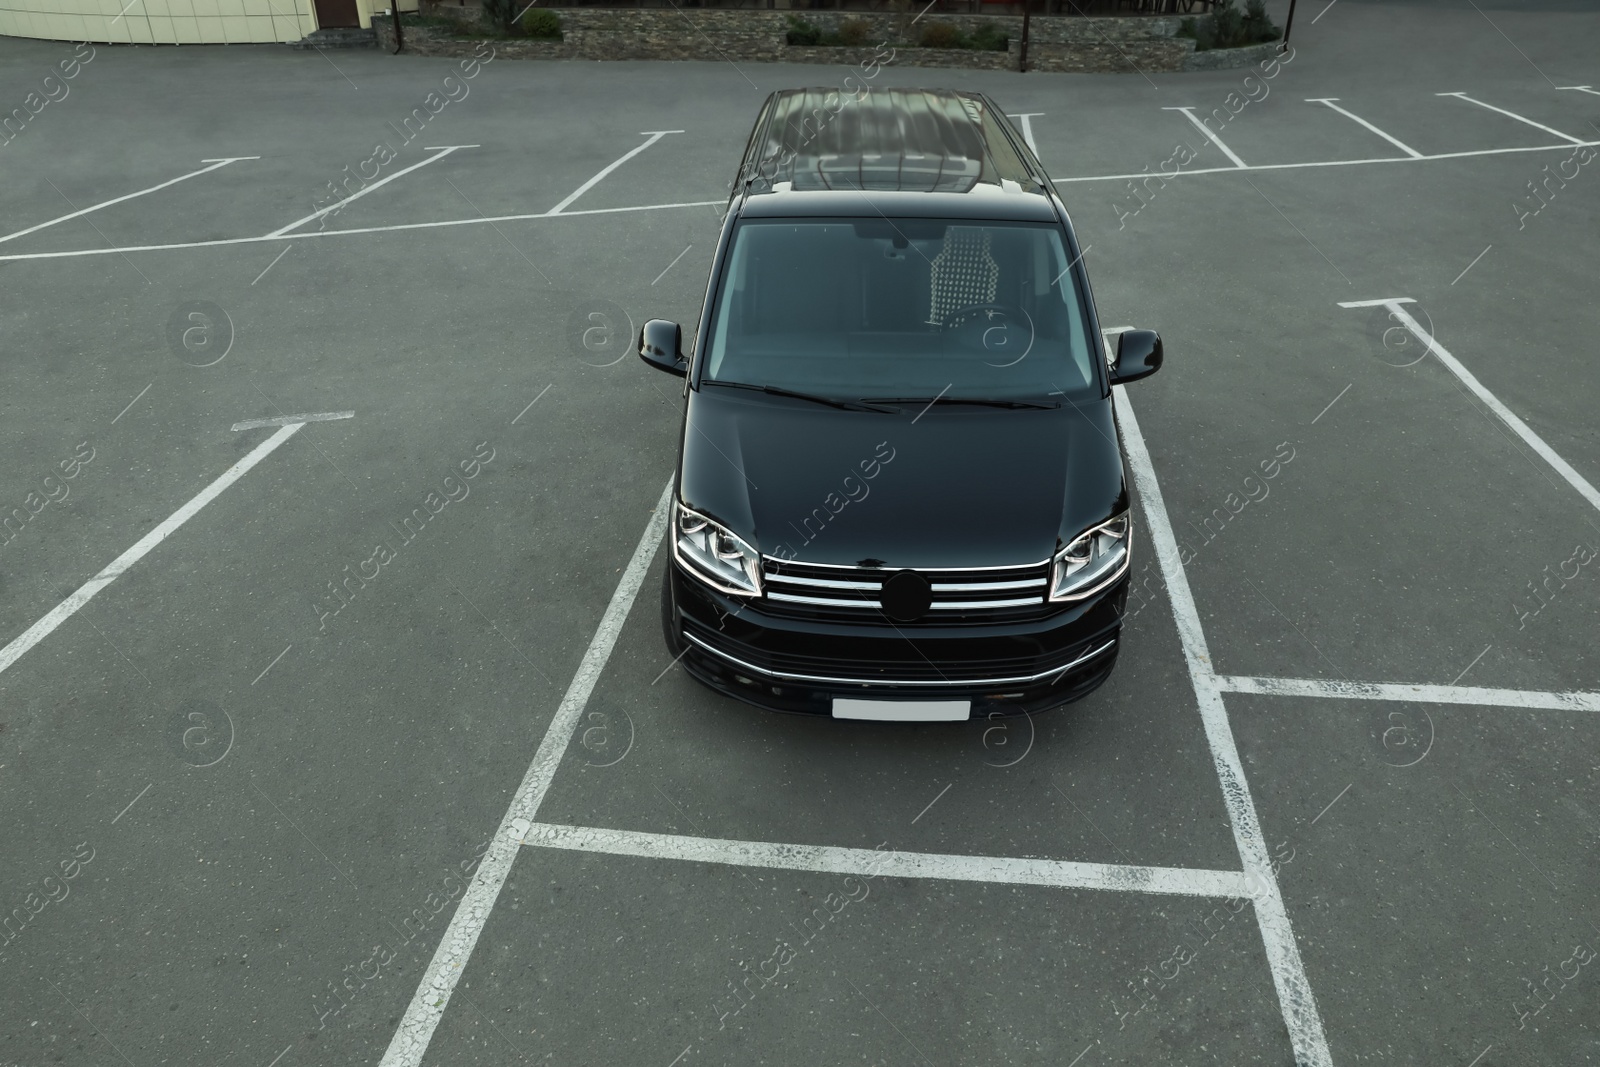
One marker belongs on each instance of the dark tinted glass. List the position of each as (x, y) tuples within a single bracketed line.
[(905, 308)]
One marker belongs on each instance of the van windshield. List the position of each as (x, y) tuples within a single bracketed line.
[(904, 308)]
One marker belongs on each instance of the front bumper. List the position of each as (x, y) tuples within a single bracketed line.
[(801, 665)]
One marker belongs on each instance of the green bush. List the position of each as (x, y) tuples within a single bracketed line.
[(942, 35), (1228, 28), (542, 23), (990, 37), (499, 13), (1227, 25), (802, 32), (1257, 26), (854, 32)]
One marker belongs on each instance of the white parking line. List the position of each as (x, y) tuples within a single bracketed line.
[(85, 593), (1582, 89), (1027, 128), (1295, 998), (411, 1038), (1322, 163), (1520, 428), (215, 164), (653, 135), (1329, 101), (285, 420), (356, 231), (1514, 115), (823, 859), (439, 151), (1422, 694), (1188, 113)]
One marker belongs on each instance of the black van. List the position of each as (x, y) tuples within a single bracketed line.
[(900, 489)]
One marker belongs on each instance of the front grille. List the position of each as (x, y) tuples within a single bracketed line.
[(1014, 660), (816, 591)]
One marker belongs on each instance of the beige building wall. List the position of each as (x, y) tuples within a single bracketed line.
[(163, 21)]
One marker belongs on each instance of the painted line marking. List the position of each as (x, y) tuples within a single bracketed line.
[(132, 402), (1474, 263), (113, 570), (291, 420), (1332, 402), (215, 164), (931, 803), (131, 803), (653, 135), (1513, 115), (439, 153), (1331, 803), (1338, 689), (532, 402), (422, 1015), (273, 664), (674, 263), (1188, 113), (358, 231), (1471, 665), (830, 859), (1326, 163), (1520, 428), (1027, 128), (99, 232), (274, 263), (1581, 89), (1329, 100), (1295, 998)]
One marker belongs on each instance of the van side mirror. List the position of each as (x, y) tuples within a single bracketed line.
[(661, 346), (1138, 356)]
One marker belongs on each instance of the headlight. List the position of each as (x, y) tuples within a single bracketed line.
[(1094, 560), (714, 554)]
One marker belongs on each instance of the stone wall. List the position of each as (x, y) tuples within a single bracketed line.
[(1079, 45), (956, 58), (1153, 55)]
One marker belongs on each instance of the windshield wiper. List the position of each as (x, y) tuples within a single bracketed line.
[(988, 402), (847, 405)]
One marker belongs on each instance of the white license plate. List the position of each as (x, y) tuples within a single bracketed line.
[(902, 710)]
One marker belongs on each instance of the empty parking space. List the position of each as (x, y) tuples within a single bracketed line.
[(379, 767), (1483, 803), (723, 965)]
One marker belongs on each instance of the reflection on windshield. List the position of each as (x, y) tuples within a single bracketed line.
[(902, 308)]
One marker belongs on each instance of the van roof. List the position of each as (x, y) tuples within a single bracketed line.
[(886, 140)]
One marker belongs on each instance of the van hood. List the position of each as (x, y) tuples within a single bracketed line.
[(948, 487)]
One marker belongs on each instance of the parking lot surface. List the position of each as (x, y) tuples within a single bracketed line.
[(336, 724)]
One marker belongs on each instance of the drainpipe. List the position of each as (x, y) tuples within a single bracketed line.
[(1287, 26), (399, 36)]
